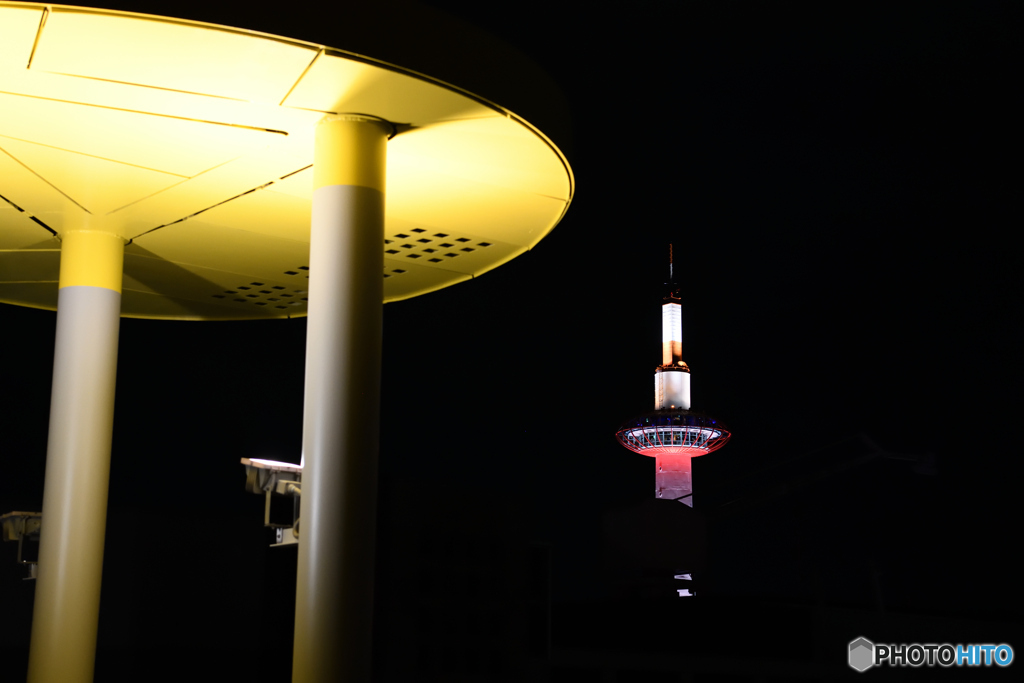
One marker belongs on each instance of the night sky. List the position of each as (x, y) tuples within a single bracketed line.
[(838, 184)]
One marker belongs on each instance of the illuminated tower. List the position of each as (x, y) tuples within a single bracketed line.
[(673, 433)]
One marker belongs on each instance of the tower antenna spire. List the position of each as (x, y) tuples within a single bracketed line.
[(671, 286)]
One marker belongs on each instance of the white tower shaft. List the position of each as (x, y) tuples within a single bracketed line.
[(672, 378), (671, 334)]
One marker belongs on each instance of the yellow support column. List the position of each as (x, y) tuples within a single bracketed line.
[(341, 419), (67, 600)]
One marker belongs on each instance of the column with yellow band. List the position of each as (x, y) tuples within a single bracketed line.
[(341, 410), (66, 613)]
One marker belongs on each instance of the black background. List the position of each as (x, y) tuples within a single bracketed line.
[(838, 181)]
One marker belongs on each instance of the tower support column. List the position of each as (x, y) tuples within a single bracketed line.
[(67, 599), (341, 413), (673, 477)]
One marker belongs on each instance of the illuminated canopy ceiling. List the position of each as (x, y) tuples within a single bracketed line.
[(195, 142)]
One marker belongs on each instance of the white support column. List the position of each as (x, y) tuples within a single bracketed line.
[(67, 600), (334, 592)]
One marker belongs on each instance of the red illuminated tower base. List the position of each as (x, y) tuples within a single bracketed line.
[(673, 437)]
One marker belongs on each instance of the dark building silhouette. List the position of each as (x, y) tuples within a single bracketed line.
[(463, 592)]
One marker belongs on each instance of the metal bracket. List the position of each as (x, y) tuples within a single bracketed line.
[(284, 536), (276, 480)]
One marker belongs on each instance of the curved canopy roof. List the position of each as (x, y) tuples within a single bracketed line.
[(195, 142)]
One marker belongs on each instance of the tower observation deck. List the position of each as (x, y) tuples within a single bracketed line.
[(673, 433)]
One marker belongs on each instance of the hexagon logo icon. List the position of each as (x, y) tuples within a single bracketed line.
[(862, 654)]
